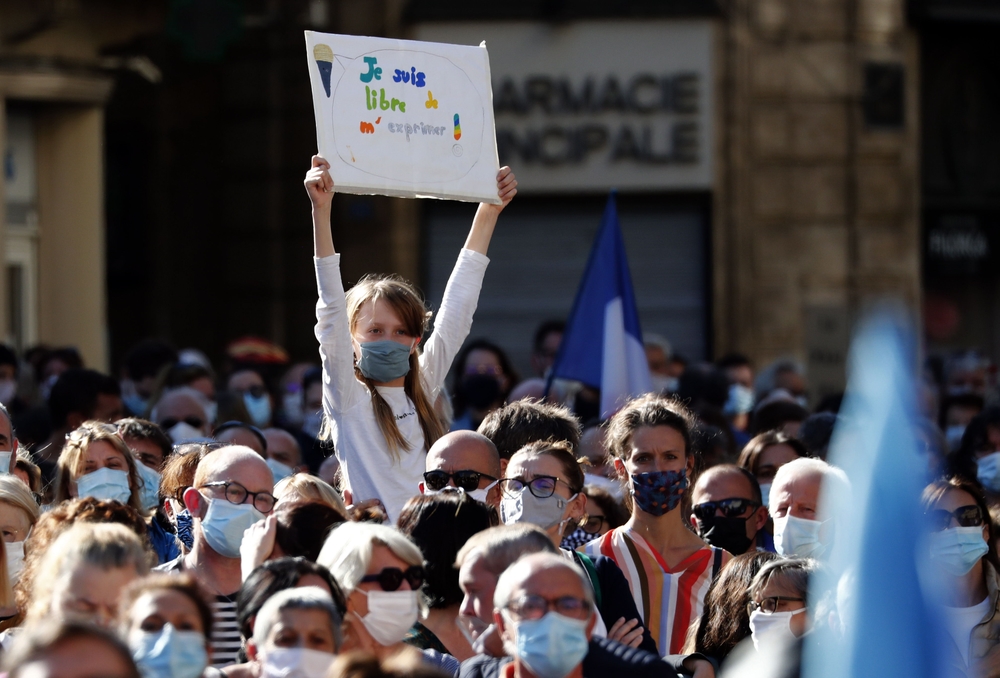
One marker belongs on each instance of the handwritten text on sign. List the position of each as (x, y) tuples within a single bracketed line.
[(404, 118)]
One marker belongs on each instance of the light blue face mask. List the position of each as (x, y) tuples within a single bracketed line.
[(135, 404), (224, 524), (5, 462), (957, 549), (258, 408), (384, 360), (169, 653), (279, 470), (149, 494), (105, 484), (553, 645)]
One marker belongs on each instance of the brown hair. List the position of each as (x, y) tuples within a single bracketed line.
[(513, 426), (750, 456), (561, 451), (30, 469), (183, 584), (179, 469), (934, 492), (34, 644), (70, 464), (53, 523), (648, 411), (413, 313), (724, 621)]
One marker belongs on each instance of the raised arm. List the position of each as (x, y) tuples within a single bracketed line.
[(486, 216), (319, 186)]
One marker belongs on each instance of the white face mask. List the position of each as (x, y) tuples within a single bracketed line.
[(771, 628), (183, 432), (480, 495), (390, 614), (15, 560), (798, 537), (296, 662), (106, 484)]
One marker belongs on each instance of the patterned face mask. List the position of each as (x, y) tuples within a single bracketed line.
[(185, 526), (659, 492)]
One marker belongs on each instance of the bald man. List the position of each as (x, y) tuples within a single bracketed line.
[(466, 460), (232, 491), (727, 511)]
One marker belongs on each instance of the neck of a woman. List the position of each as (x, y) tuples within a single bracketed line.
[(664, 533), (970, 589)]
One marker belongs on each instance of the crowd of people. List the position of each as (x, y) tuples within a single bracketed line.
[(362, 518)]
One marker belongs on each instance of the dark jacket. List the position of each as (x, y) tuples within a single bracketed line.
[(604, 658), (616, 598)]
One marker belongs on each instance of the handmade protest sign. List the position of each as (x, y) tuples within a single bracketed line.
[(404, 118)]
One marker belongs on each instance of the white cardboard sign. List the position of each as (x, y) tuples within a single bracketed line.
[(404, 118)]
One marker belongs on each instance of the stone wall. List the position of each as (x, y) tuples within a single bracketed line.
[(816, 214)]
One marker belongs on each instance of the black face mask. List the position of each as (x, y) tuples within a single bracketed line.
[(726, 533), (480, 391)]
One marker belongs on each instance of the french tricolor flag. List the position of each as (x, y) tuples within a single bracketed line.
[(602, 346)]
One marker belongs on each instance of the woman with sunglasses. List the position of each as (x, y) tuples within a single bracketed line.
[(669, 567), (965, 558), (543, 486), (380, 572)]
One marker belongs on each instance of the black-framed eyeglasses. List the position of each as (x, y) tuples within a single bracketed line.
[(237, 494), (965, 516), (192, 421), (540, 486), (734, 507), (593, 524), (770, 605), (391, 578), (468, 480), (532, 607)]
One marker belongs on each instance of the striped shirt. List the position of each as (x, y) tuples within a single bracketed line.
[(669, 599), (225, 638)]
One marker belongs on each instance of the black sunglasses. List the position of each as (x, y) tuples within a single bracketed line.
[(733, 507), (391, 578), (965, 516), (467, 480)]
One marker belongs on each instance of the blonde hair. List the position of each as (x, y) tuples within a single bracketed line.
[(407, 304), (347, 552), (14, 492), (70, 464), (309, 488), (103, 545)]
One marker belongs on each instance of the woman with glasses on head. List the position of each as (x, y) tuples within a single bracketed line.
[(669, 567), (96, 462), (779, 602), (381, 572), (963, 553), (543, 486)]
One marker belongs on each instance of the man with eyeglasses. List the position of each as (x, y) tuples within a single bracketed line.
[(463, 460), (232, 491), (727, 511)]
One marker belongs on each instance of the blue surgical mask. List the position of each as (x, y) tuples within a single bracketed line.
[(765, 494), (135, 404), (313, 423), (987, 471), (224, 524), (259, 409), (551, 646), (384, 360), (169, 653), (5, 461), (105, 484), (279, 470), (740, 400), (957, 549), (149, 494)]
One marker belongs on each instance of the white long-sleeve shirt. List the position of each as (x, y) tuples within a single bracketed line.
[(368, 467)]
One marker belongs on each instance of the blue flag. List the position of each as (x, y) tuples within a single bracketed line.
[(889, 621), (602, 345)]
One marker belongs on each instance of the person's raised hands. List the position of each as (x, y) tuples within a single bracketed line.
[(319, 183), (506, 186)]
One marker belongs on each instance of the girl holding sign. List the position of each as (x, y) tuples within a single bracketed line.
[(379, 386)]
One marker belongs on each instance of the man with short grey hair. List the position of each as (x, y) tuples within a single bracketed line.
[(800, 528)]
